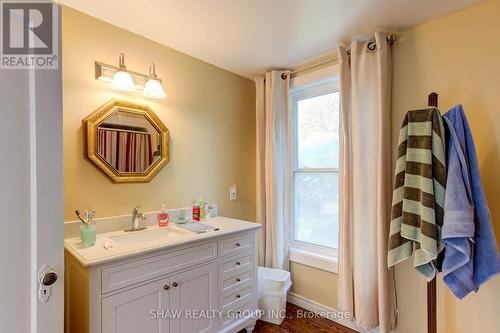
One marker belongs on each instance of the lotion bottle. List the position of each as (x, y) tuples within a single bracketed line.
[(201, 203)]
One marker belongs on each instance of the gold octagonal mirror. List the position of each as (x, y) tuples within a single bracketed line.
[(126, 141)]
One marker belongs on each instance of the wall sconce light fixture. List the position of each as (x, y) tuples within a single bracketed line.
[(153, 88), (121, 79)]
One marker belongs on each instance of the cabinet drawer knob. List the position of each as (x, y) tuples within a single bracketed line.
[(238, 295), (166, 287), (238, 280), (238, 263), (174, 284), (237, 244)]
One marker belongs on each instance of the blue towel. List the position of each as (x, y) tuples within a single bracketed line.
[(471, 256)]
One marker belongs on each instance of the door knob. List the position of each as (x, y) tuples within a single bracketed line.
[(174, 284), (48, 278), (166, 287)]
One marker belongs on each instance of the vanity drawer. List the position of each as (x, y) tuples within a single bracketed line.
[(117, 276), (241, 262), (241, 295), (233, 281), (236, 313), (235, 244)]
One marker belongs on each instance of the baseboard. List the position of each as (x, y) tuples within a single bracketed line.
[(316, 307)]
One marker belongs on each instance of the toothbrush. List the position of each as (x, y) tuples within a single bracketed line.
[(77, 212), (89, 216)]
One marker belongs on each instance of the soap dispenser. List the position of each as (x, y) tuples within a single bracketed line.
[(163, 217)]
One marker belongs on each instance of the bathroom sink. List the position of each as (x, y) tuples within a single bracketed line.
[(151, 235)]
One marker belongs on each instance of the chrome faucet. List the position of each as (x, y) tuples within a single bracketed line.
[(136, 218)]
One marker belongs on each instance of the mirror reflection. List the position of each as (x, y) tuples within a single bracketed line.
[(128, 141)]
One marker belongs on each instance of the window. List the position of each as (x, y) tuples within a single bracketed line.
[(315, 178)]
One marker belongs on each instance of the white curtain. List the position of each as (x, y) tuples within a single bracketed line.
[(366, 286), (273, 162)]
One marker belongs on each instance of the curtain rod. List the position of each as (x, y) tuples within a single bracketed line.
[(391, 38), (114, 129)]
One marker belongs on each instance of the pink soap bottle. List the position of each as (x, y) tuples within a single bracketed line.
[(163, 217)]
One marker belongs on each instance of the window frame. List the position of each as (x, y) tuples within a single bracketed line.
[(309, 254)]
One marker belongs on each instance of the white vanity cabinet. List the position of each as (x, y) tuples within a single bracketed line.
[(205, 286)]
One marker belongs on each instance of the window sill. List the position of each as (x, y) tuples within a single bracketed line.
[(320, 261)]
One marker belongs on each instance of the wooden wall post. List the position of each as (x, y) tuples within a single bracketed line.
[(431, 286)]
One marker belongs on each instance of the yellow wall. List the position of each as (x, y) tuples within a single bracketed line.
[(210, 113), (314, 284), (458, 56)]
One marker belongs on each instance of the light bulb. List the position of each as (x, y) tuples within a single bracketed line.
[(154, 89), (122, 81)]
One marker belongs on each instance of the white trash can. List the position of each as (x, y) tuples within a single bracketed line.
[(273, 289)]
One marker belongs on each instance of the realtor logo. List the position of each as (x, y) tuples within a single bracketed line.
[(29, 35)]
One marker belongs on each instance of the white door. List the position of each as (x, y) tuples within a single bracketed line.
[(194, 293), (31, 197), (143, 309)]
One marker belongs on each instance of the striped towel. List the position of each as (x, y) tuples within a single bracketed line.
[(419, 191)]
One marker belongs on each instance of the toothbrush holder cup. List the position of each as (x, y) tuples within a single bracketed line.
[(88, 234)]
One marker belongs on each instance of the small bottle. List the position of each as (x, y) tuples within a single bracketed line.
[(208, 210), (196, 211), (201, 203), (163, 217), (215, 210)]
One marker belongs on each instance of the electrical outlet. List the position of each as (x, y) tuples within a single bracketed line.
[(233, 192)]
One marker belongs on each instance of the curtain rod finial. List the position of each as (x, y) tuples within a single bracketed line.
[(392, 37), (433, 99)]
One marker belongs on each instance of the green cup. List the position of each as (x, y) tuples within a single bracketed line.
[(88, 234)]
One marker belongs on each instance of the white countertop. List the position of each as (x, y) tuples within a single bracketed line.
[(97, 254)]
